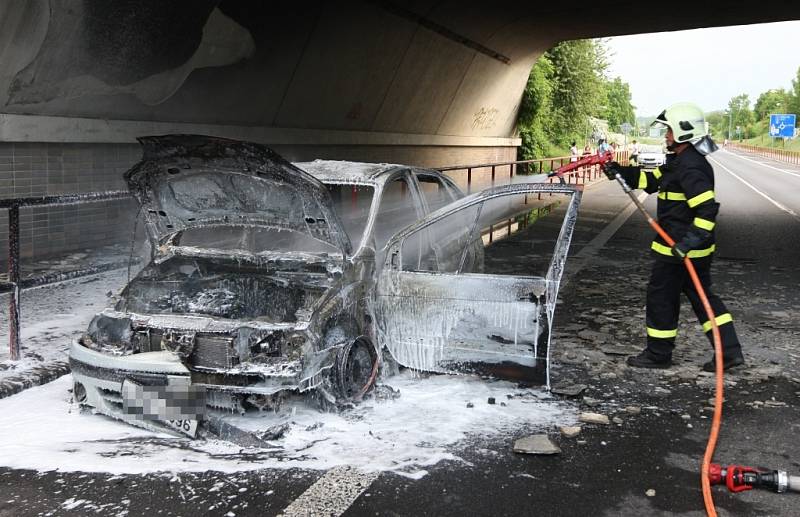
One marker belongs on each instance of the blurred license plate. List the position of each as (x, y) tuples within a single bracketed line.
[(185, 426), (179, 405)]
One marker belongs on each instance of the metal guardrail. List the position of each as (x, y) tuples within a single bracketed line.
[(518, 167), (769, 152), (13, 206), (15, 284)]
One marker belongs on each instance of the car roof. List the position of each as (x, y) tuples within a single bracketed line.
[(338, 171)]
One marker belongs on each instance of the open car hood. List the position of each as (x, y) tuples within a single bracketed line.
[(192, 181)]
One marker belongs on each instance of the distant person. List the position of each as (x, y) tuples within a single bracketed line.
[(687, 209), (634, 153), (602, 146), (573, 152)]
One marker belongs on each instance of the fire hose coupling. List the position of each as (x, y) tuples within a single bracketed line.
[(739, 478)]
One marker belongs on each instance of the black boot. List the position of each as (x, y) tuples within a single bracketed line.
[(647, 359), (728, 361)]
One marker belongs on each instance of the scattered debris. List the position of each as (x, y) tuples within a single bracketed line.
[(536, 444), (226, 431), (572, 390), (591, 402), (650, 493), (617, 350), (570, 431), (633, 410), (593, 418), (617, 420), (470, 405), (594, 336), (384, 392), (491, 400)]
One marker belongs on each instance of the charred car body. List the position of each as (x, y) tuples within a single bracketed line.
[(267, 277)]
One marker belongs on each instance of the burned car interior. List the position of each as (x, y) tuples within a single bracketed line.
[(267, 278)]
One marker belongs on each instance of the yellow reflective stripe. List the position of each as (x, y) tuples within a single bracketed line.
[(642, 180), (657, 173), (721, 320), (672, 196), (661, 334), (704, 223), (666, 250), (701, 198), (660, 248)]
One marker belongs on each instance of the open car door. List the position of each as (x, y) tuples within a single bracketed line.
[(437, 309)]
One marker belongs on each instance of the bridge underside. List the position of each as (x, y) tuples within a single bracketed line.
[(420, 82)]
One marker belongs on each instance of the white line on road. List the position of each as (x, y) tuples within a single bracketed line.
[(779, 205), (332, 494), (764, 164)]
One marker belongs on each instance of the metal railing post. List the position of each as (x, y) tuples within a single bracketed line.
[(13, 277), (14, 280)]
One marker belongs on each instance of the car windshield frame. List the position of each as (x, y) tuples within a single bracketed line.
[(377, 189)]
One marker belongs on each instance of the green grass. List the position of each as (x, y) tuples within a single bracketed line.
[(778, 143)]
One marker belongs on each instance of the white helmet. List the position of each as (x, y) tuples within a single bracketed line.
[(686, 121)]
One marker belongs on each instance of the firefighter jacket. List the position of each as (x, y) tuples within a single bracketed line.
[(687, 209)]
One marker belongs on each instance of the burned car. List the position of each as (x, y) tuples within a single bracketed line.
[(267, 277)]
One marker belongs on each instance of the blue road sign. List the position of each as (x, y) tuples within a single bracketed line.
[(782, 125)]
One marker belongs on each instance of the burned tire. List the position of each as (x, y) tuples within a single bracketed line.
[(356, 370)]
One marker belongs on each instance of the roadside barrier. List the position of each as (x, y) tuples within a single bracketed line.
[(14, 284), (769, 152), (525, 167)]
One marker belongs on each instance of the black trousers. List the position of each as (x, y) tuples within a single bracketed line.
[(667, 282)]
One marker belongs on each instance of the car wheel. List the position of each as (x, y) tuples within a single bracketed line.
[(356, 369)]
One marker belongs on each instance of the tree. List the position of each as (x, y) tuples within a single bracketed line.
[(618, 103), (794, 95), (740, 115), (535, 111), (578, 74), (771, 101), (566, 86), (717, 123)]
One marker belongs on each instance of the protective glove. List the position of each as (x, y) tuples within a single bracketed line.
[(679, 250), (611, 169), (694, 238)]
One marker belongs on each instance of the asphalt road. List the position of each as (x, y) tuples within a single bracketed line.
[(607, 470)]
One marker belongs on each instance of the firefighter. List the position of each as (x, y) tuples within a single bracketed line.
[(687, 210)]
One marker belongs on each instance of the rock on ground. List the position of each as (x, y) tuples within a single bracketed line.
[(536, 444)]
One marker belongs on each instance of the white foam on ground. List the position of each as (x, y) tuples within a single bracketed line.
[(428, 423), (51, 316)]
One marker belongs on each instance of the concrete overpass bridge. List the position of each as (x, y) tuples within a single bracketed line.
[(419, 82)]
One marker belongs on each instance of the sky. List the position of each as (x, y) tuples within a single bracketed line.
[(705, 66)]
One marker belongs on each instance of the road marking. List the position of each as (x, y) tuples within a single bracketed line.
[(779, 205), (764, 164), (332, 494), (588, 252)]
